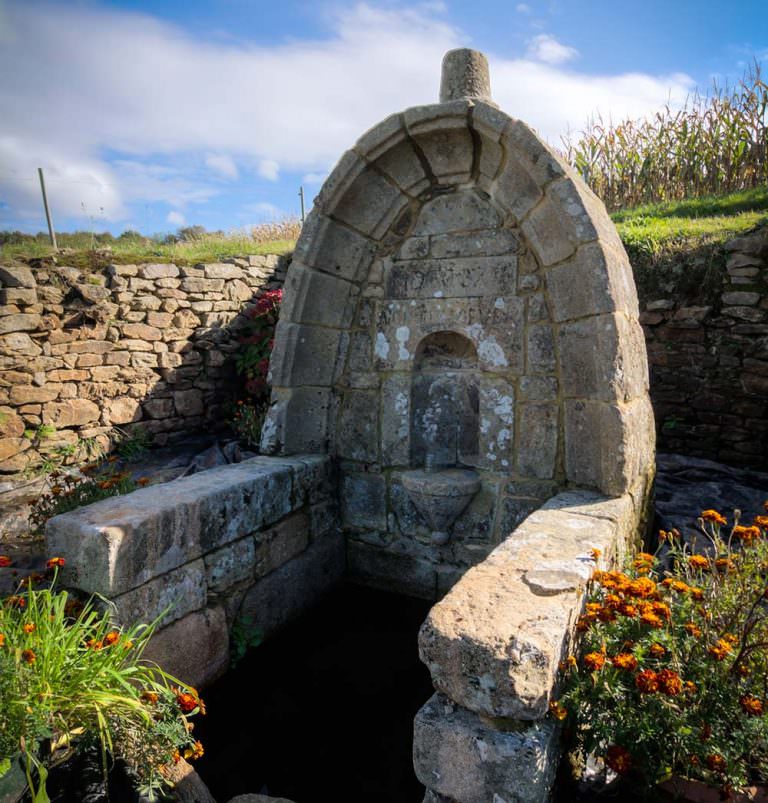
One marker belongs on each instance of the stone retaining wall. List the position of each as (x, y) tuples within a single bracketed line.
[(706, 328), (254, 543), (493, 645), (81, 353)]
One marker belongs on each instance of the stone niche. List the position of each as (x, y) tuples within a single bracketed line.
[(457, 291)]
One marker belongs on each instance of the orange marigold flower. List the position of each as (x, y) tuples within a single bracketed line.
[(567, 664), (595, 553), (28, 656), (746, 534), (195, 751), (689, 687), (149, 696), (651, 619), (55, 562), (142, 481), (189, 701), (558, 710), (643, 560), (625, 660), (731, 638), (15, 601), (606, 614), (176, 756), (698, 562), (593, 608), (720, 649), (594, 660), (679, 586), (752, 706), (697, 593), (111, 638), (647, 681), (618, 759), (662, 610), (643, 587), (742, 670), (692, 629), (612, 600), (761, 521), (716, 762), (657, 650), (2, 640), (94, 644), (5, 561), (628, 609), (29, 627), (713, 516), (669, 682), (582, 624), (724, 564), (127, 645)]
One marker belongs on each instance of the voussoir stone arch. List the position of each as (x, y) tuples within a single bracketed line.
[(463, 181)]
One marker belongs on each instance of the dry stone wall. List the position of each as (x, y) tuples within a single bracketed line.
[(708, 353), (144, 345)]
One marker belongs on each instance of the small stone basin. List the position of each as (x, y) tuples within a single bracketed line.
[(441, 496)]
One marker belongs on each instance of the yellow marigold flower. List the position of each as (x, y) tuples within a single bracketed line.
[(593, 608), (643, 560), (730, 638), (693, 630), (698, 562), (594, 660), (595, 553), (662, 610), (625, 660), (697, 593), (713, 516), (720, 649), (643, 587), (29, 627), (651, 619), (752, 706), (612, 600), (557, 710), (656, 650), (127, 645), (628, 609), (679, 586), (194, 752)]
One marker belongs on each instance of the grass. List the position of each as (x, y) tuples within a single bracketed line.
[(653, 231), (86, 251)]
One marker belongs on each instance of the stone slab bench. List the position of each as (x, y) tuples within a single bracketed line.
[(256, 543)]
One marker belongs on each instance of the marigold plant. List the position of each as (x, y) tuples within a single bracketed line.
[(69, 678), (673, 673)]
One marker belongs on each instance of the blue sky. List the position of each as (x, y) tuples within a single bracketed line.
[(154, 115)]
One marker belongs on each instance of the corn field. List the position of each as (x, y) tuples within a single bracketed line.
[(717, 143)]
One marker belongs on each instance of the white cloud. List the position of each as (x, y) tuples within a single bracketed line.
[(176, 218), (222, 164), (269, 169), (523, 8), (313, 178), (182, 103), (546, 48)]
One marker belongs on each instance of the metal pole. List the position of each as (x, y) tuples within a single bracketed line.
[(301, 197), (51, 232)]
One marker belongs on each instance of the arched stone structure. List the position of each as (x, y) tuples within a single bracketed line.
[(457, 218)]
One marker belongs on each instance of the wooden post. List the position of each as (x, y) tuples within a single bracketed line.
[(301, 197), (51, 232)]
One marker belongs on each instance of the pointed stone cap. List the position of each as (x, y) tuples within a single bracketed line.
[(465, 75)]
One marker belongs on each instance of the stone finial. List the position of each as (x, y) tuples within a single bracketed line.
[(465, 75)]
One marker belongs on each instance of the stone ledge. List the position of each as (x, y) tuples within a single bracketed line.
[(460, 757), (121, 543), (494, 642)]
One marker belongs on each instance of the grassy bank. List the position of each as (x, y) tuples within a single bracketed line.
[(653, 232)]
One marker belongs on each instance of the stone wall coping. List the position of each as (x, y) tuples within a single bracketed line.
[(121, 543), (494, 642)]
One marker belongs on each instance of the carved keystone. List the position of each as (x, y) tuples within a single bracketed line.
[(465, 75)]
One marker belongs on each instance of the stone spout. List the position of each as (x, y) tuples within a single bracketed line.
[(465, 75)]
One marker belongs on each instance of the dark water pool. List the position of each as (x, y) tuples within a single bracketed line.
[(323, 711)]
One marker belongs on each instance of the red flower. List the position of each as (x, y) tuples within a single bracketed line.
[(54, 563), (5, 561), (618, 759)]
